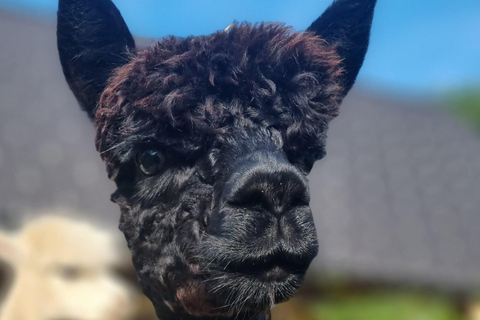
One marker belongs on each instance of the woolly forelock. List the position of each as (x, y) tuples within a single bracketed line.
[(191, 91)]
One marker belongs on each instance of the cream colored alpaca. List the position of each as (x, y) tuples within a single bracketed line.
[(62, 270), (474, 311)]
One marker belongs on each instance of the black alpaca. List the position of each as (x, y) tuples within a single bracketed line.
[(209, 140)]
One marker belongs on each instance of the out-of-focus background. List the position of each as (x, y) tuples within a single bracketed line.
[(396, 201)]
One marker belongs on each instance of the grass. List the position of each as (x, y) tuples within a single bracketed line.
[(382, 306), (379, 304), (466, 104)]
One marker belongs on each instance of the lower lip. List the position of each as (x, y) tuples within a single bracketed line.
[(275, 274)]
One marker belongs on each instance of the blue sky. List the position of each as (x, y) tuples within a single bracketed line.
[(417, 46)]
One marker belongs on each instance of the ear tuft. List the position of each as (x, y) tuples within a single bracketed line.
[(346, 24), (93, 40)]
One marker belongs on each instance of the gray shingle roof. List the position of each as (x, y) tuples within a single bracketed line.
[(47, 153), (397, 197)]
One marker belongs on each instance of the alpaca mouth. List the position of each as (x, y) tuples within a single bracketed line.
[(253, 292), (254, 284), (276, 268), (256, 278)]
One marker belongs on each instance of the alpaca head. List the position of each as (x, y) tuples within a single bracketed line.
[(62, 268), (209, 141)]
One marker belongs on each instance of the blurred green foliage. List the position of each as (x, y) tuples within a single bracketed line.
[(371, 304), (466, 104), (386, 305)]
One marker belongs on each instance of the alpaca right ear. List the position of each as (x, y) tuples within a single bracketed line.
[(10, 250), (93, 40)]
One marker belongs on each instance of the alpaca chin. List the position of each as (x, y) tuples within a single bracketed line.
[(195, 301), (249, 292)]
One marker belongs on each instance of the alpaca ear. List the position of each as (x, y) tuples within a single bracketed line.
[(10, 250), (93, 40), (346, 24)]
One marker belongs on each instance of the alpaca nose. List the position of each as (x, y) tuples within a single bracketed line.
[(263, 213), (274, 189)]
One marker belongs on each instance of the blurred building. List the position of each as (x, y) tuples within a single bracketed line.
[(396, 200), (397, 197)]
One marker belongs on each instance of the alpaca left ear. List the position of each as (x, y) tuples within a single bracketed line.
[(346, 24), (93, 40)]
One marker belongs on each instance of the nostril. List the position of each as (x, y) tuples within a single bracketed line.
[(272, 192), (250, 198), (299, 199)]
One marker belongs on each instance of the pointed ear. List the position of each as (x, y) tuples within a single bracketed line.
[(93, 40), (346, 24), (10, 249)]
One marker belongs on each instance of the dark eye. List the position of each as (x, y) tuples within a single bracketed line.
[(69, 272), (150, 162)]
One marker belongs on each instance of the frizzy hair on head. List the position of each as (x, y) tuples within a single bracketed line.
[(291, 81)]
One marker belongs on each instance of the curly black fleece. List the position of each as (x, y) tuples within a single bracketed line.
[(197, 87), (209, 101)]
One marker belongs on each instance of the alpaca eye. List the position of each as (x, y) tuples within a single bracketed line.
[(150, 162)]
